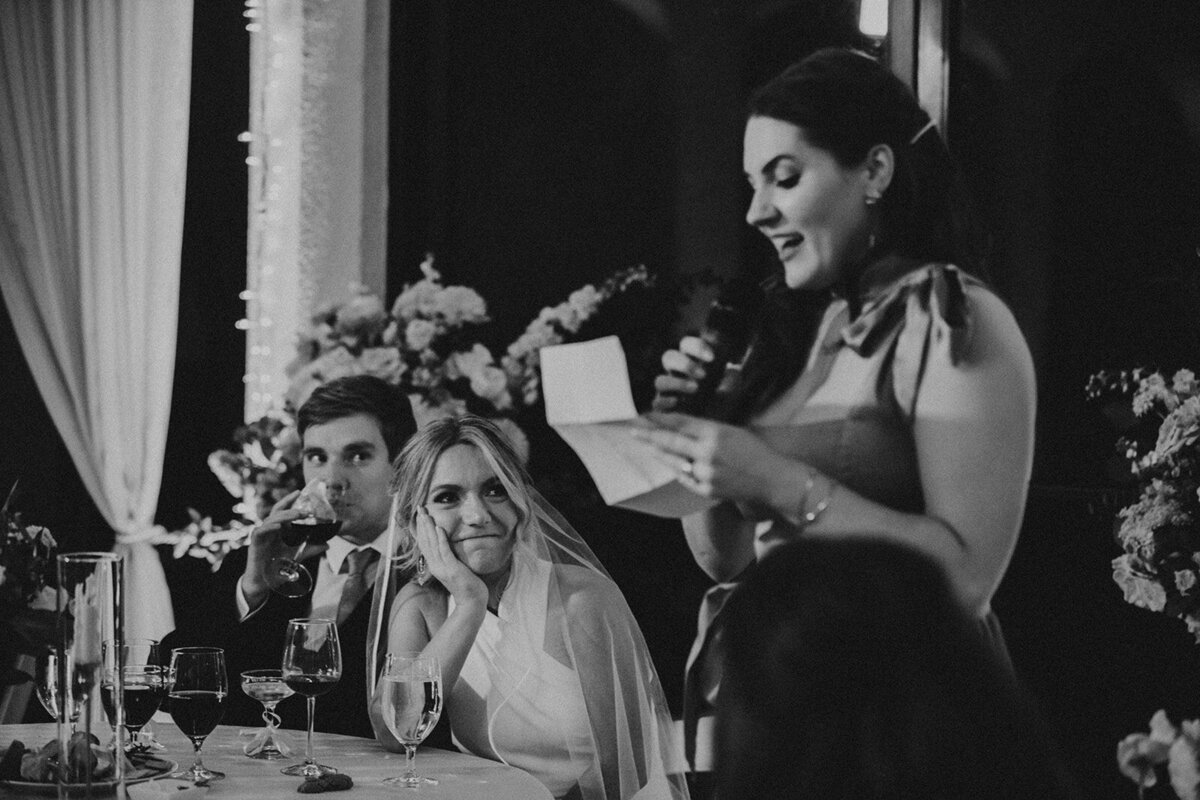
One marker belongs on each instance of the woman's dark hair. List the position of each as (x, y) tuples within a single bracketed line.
[(846, 102), (361, 394), (851, 671)]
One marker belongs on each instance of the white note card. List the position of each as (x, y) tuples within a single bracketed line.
[(590, 404)]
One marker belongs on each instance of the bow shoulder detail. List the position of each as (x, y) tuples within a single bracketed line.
[(925, 313)]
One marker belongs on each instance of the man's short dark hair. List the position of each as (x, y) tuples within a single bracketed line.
[(361, 394)]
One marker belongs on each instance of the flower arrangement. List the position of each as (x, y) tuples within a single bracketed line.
[(1160, 531), (558, 324), (1140, 754), (27, 598), (429, 345)]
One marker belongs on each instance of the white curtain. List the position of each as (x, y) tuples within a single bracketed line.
[(93, 144)]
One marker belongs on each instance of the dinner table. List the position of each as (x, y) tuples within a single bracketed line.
[(459, 776)]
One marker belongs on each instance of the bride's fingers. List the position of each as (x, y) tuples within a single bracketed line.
[(426, 537), (434, 542)]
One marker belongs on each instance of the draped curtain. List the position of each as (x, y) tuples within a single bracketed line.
[(93, 146)]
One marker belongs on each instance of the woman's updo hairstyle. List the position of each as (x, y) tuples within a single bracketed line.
[(846, 102)]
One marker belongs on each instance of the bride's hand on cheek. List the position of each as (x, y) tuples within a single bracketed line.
[(443, 564)]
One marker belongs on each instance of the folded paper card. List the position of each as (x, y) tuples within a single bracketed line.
[(590, 404)]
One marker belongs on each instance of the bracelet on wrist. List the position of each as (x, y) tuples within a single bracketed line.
[(807, 517)]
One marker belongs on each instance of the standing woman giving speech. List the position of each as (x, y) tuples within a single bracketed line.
[(887, 392)]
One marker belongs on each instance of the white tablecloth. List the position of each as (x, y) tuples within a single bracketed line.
[(460, 776)]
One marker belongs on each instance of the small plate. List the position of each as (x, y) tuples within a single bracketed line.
[(148, 771)]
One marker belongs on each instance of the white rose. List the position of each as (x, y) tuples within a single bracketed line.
[(491, 383), (1185, 579), (459, 304), (419, 334), (468, 363), (383, 362)]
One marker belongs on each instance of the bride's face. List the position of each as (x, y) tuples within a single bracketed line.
[(468, 501)]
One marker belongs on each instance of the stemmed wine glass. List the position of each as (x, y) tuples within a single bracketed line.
[(267, 687), (198, 688), (312, 665), (145, 686), (145, 681), (285, 574), (412, 704)]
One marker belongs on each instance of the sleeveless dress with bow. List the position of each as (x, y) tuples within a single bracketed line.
[(851, 412), (925, 335)]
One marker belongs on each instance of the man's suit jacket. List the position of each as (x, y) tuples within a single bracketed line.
[(258, 642)]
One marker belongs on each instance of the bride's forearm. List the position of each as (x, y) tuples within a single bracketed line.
[(452, 641)]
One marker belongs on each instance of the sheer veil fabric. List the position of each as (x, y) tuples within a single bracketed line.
[(566, 655)]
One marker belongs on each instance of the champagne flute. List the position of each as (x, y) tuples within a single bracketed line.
[(197, 701), (412, 704), (285, 574), (47, 685), (267, 687), (312, 665)]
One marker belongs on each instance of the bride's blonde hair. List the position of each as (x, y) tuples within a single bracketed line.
[(412, 474)]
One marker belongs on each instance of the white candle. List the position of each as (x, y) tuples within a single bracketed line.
[(87, 632)]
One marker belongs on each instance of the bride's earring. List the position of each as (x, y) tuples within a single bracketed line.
[(422, 571)]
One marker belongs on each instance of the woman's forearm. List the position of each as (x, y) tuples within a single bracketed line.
[(452, 642), (837, 511)]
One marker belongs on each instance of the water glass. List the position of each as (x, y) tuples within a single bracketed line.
[(412, 704)]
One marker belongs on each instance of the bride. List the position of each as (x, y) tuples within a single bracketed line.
[(522, 618)]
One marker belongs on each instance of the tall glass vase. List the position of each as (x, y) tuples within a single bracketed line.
[(91, 596)]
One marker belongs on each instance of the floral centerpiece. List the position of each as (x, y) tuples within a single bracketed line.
[(27, 597), (1160, 531), (431, 345)]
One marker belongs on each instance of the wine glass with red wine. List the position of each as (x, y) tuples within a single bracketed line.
[(196, 700), (145, 686), (145, 682), (285, 574), (312, 665)]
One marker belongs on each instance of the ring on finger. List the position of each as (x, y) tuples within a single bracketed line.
[(688, 469)]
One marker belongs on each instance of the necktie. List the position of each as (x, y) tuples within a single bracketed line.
[(359, 563)]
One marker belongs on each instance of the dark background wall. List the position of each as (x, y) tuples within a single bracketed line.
[(537, 146)]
